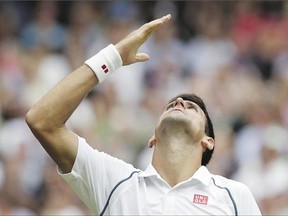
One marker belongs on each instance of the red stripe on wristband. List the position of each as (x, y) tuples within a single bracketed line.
[(105, 69), (105, 62)]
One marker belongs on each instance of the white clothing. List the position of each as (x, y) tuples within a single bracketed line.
[(109, 186)]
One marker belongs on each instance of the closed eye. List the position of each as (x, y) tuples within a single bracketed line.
[(191, 105), (169, 105)]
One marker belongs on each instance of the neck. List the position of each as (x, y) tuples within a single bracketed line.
[(176, 159)]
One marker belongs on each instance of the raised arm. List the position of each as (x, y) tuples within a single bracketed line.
[(47, 118)]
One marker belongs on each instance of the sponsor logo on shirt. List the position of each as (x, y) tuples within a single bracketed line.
[(200, 199)]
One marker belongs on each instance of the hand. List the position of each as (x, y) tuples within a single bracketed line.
[(128, 47)]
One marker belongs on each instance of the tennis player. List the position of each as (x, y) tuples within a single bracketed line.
[(175, 182)]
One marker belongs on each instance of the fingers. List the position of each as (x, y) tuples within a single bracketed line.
[(141, 57), (161, 20), (128, 47), (148, 28)]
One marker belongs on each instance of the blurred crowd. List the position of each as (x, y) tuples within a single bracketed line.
[(234, 54)]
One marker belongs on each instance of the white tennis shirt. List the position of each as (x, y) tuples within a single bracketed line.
[(109, 186)]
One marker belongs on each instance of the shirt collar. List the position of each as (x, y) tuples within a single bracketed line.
[(149, 171), (202, 174)]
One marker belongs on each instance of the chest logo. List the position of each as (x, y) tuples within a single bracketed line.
[(200, 199)]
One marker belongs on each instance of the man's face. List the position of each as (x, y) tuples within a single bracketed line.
[(183, 114)]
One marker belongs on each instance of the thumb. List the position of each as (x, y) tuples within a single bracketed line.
[(140, 57)]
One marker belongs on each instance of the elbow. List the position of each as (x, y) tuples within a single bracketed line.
[(35, 121), (31, 119), (40, 121)]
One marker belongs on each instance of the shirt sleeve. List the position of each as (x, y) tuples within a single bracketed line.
[(246, 204), (94, 174)]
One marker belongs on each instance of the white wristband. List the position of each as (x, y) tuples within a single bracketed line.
[(105, 62)]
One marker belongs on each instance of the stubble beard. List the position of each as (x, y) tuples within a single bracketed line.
[(177, 127), (174, 126)]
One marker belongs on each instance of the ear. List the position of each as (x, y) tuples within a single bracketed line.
[(208, 142), (152, 141)]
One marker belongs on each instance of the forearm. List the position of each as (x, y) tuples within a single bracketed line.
[(53, 110)]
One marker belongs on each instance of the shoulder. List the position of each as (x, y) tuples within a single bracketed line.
[(221, 181), (237, 190), (241, 196)]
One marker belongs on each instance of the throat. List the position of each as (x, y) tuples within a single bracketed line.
[(176, 162)]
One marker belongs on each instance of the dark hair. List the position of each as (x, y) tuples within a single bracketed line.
[(209, 131)]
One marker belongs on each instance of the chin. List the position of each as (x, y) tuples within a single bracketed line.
[(175, 122)]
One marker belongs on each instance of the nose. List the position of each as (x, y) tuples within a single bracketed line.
[(179, 101)]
